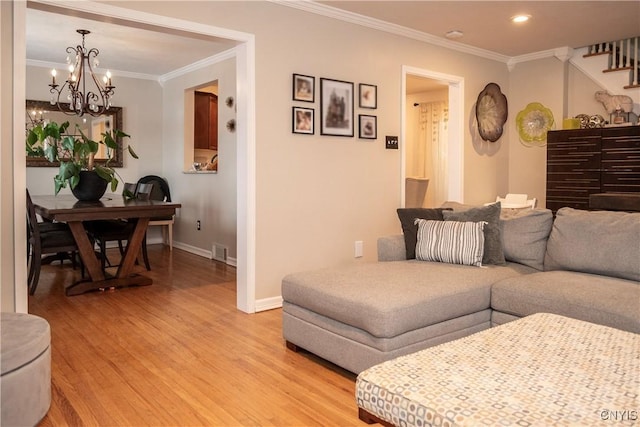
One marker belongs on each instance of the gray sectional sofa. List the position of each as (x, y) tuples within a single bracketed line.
[(584, 265)]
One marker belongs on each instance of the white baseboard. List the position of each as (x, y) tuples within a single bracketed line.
[(268, 303), (192, 249)]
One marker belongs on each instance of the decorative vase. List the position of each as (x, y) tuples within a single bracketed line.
[(90, 188)]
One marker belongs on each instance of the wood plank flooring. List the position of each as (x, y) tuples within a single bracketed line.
[(178, 353)]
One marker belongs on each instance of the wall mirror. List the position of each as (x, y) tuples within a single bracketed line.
[(41, 111)]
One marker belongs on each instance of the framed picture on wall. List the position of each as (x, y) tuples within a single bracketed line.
[(304, 88), (303, 120), (368, 128), (368, 96), (336, 107)]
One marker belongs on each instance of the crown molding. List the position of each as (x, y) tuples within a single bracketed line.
[(377, 24), (222, 56), (61, 66)]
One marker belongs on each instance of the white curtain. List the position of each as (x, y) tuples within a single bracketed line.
[(432, 148)]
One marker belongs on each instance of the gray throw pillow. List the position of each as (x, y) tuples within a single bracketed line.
[(598, 242), (407, 218), (493, 252), (524, 235)]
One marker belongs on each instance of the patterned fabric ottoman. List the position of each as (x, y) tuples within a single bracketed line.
[(541, 370)]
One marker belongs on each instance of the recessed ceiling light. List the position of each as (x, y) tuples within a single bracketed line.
[(454, 34), (520, 18)]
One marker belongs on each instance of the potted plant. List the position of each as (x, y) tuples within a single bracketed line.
[(76, 155)]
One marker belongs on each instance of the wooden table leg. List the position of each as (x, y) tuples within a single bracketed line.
[(87, 253), (124, 277), (134, 247)]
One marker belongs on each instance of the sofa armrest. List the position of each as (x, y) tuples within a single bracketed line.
[(391, 248)]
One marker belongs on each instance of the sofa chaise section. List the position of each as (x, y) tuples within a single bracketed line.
[(362, 315)]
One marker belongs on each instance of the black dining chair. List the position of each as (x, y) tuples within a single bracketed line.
[(160, 192), (46, 238), (104, 231)]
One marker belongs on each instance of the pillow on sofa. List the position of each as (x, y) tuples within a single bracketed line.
[(524, 235), (493, 252), (457, 206), (408, 218), (453, 242), (597, 242)]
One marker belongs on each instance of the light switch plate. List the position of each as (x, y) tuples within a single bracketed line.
[(391, 142)]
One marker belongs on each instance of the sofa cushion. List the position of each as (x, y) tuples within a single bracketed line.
[(450, 241), (524, 235), (598, 299), (599, 242), (493, 252), (407, 218), (390, 298)]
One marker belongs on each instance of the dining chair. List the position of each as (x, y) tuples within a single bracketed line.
[(160, 192), (46, 238), (104, 231), (513, 200)]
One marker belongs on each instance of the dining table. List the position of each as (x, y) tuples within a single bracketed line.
[(66, 208)]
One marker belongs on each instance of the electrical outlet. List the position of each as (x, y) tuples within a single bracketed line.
[(198, 225), (358, 249)]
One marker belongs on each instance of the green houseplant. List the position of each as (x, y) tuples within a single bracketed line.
[(75, 154)]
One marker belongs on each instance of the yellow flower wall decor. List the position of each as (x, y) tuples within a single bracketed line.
[(533, 123)]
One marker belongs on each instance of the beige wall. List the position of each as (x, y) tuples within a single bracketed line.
[(534, 81), (316, 195), (210, 198), (581, 95)]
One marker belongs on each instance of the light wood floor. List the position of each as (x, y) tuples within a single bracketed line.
[(178, 353)]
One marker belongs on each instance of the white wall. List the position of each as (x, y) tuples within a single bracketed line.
[(8, 252), (207, 197), (141, 102)]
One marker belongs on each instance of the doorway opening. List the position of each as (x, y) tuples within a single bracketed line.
[(244, 53), (432, 117)]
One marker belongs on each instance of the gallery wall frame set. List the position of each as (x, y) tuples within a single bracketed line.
[(337, 102)]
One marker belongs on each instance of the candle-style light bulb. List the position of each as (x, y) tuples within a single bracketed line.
[(108, 76), (53, 77)]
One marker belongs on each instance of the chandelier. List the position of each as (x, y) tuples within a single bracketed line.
[(82, 100)]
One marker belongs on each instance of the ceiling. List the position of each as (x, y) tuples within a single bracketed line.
[(486, 24), (151, 52)]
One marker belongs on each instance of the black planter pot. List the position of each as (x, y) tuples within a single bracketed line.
[(90, 187)]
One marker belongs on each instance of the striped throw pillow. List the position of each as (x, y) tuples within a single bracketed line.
[(453, 242)]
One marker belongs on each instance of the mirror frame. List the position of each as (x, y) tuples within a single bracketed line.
[(116, 116)]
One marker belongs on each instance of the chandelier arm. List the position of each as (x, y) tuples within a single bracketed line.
[(82, 100)]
